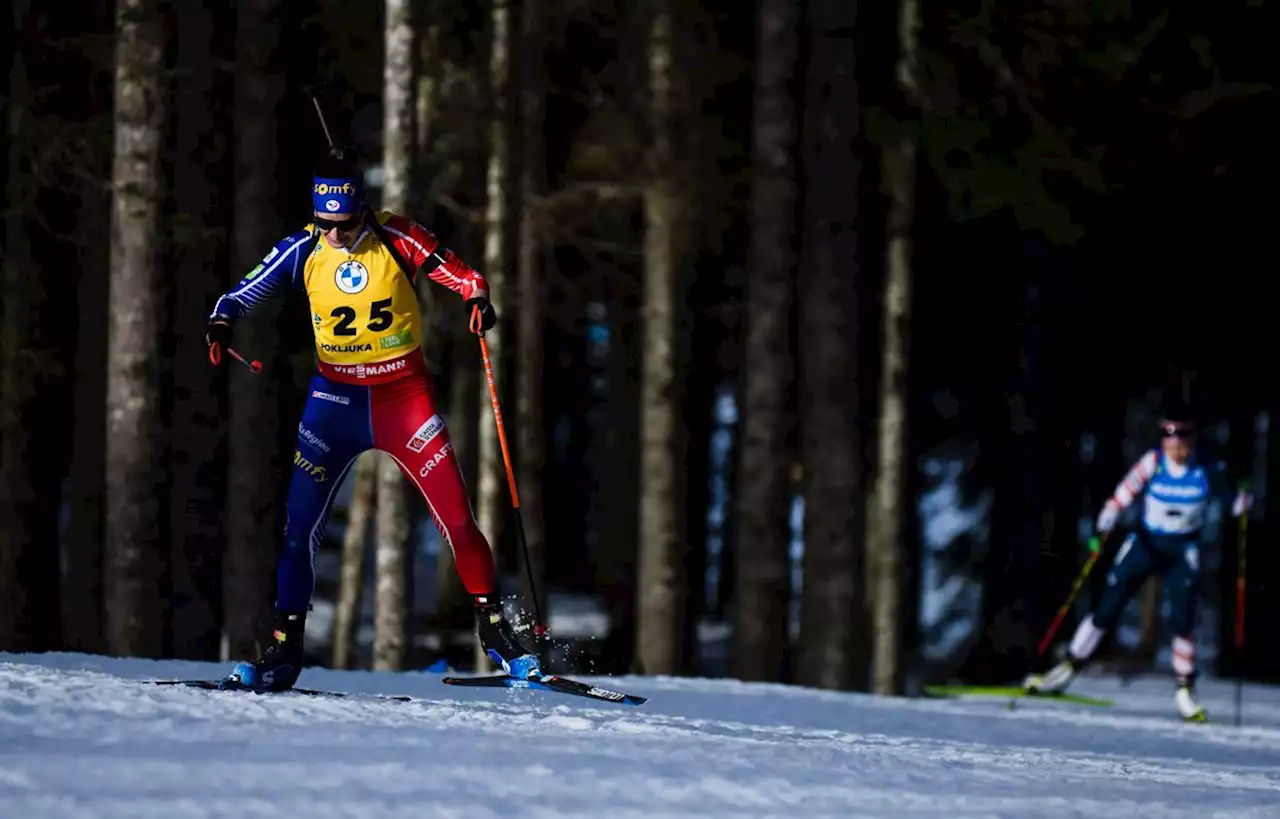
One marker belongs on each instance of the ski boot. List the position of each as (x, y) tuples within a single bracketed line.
[(1184, 698), (281, 663), (500, 641), (1054, 681)]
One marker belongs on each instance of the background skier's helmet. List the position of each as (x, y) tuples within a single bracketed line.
[(1178, 421)]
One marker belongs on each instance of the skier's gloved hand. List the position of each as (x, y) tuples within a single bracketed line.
[(488, 316), (217, 334), (1107, 517)]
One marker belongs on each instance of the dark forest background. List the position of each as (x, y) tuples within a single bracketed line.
[(826, 327)]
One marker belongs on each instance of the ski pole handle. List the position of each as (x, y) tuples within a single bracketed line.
[(215, 357)]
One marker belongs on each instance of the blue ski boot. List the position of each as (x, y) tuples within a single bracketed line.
[(281, 663), (500, 641)]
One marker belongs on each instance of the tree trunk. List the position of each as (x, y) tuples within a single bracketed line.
[(662, 587), (833, 617), (48, 146), (252, 530), (428, 79), (16, 491), (393, 612), (393, 596), (135, 479), (418, 199), (529, 440), (618, 511), (886, 525), (447, 345), (20, 300), (762, 563), (346, 613), (198, 469), (497, 257), (82, 611)]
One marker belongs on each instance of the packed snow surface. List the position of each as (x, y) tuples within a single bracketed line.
[(84, 736)]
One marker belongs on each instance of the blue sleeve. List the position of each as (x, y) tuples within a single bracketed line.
[(279, 269)]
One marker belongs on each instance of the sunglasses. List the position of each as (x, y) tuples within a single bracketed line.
[(351, 223)]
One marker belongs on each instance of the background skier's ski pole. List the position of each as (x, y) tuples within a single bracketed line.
[(1240, 586), (539, 629), (1095, 549)]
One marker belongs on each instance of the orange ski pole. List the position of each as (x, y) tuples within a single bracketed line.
[(539, 628)]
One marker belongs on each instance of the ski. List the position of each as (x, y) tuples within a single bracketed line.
[(549, 682), (228, 685), (952, 691)]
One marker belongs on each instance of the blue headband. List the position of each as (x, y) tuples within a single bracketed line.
[(337, 195)]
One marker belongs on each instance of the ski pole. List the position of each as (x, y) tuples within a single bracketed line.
[(1095, 549), (1240, 587), (215, 357), (539, 629)]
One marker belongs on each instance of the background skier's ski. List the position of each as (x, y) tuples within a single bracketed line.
[(1009, 691)]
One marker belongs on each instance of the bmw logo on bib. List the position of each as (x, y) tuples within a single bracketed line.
[(352, 277)]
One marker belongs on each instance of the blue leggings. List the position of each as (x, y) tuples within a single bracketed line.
[(1177, 557)]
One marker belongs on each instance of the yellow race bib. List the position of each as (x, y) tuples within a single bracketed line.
[(363, 308)]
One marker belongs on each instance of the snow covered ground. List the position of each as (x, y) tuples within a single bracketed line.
[(80, 737)]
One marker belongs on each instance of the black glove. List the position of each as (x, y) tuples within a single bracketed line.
[(216, 334), (488, 316)]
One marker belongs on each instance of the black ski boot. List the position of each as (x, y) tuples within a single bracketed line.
[(281, 663), (500, 641)]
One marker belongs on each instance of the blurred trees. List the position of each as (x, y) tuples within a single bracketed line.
[(135, 564), (499, 239), (754, 292), (762, 593), (662, 586), (833, 387), (394, 556), (254, 473), (887, 552), (198, 256)]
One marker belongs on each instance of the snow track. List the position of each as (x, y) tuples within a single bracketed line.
[(80, 736)]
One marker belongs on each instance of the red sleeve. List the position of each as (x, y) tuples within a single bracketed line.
[(421, 247), (1135, 480)]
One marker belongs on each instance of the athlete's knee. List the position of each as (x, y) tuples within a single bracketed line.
[(1184, 656), (1109, 607)]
